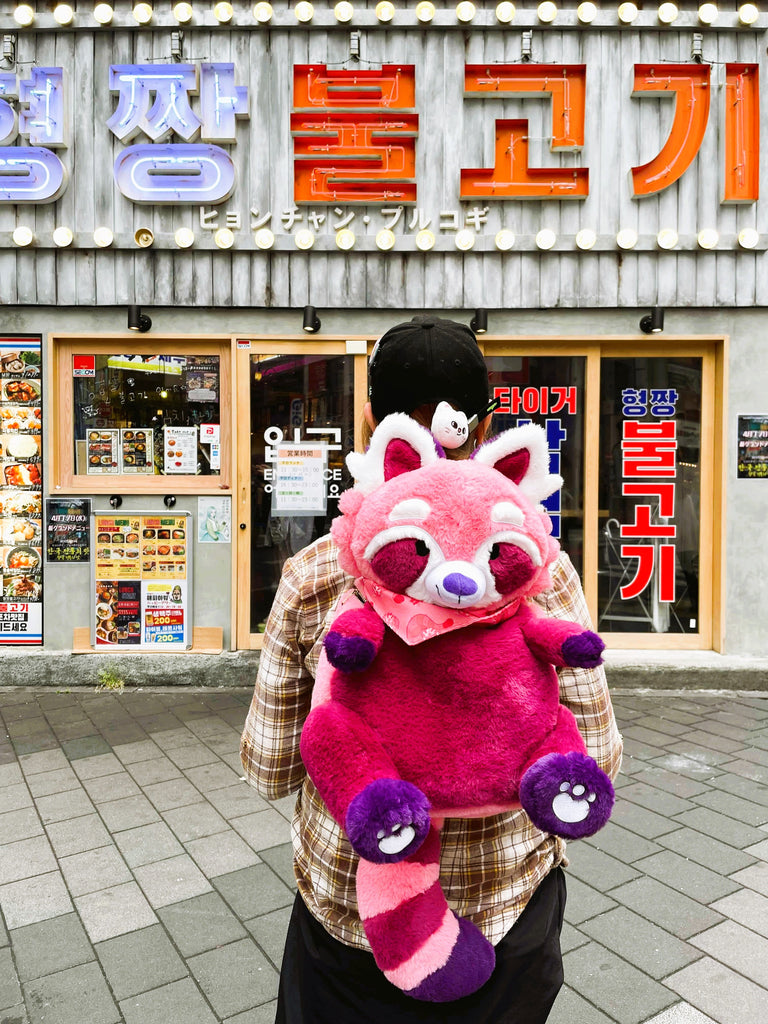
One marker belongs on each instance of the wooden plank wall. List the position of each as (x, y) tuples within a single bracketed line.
[(455, 132)]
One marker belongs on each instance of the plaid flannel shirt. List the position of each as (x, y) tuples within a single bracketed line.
[(491, 866)]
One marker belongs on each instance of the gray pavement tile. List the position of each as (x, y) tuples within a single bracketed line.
[(733, 806), (701, 755), (24, 858), (94, 869), (85, 746), (50, 946), (77, 834), (754, 877), (44, 761), (674, 782), (77, 994), (130, 812), (571, 1008), (193, 821), (157, 723), (115, 735), (597, 868), (155, 769), (571, 938), (739, 735), (681, 1013), (147, 843), (584, 901), (172, 880), (34, 742), (10, 774), (10, 990), (212, 776), (138, 750), (639, 819), (192, 755), (174, 793), (613, 985), (686, 877), (114, 911), (692, 768), (263, 829), (140, 961), (21, 824), (15, 1015), (707, 851), (270, 930), (721, 826), (173, 739), (718, 991), (708, 740), (264, 1014), (221, 853), (673, 911), (235, 977), (748, 908), (636, 748), (111, 787), (179, 1001), (286, 806), (14, 797), (61, 806), (253, 891), (34, 899), (738, 948), (72, 731), (740, 781), (47, 783), (280, 859), (759, 849), (201, 923), (22, 711), (660, 723), (620, 843), (650, 948), (235, 801), (653, 737), (754, 754)]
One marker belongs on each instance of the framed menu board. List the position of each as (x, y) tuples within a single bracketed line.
[(21, 480), (141, 580)]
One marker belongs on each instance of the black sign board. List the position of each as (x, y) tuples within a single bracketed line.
[(67, 529)]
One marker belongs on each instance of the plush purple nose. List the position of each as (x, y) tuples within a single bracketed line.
[(459, 584)]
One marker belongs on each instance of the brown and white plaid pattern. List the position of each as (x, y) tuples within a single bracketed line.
[(490, 867)]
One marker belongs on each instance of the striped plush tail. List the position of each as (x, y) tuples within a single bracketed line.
[(418, 942)]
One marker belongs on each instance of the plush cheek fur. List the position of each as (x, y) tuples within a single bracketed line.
[(399, 564)]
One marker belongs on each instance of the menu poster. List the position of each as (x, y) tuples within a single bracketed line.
[(21, 519), (140, 571), (180, 450), (67, 529), (202, 378), (299, 488), (752, 461), (136, 451), (103, 451)]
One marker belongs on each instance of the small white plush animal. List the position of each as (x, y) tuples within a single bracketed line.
[(449, 426)]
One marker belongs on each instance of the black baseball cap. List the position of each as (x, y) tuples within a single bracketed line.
[(427, 360)]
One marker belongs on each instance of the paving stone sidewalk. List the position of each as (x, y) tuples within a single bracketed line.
[(142, 881)]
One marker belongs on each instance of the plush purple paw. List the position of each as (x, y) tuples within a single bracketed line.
[(567, 795), (349, 653), (583, 650), (387, 821)]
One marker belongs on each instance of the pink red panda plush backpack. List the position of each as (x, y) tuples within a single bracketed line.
[(436, 694)]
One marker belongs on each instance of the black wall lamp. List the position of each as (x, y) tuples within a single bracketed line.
[(115, 501), (138, 321), (479, 322), (653, 322), (169, 500), (311, 320)]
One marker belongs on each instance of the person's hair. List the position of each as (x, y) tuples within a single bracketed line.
[(423, 415)]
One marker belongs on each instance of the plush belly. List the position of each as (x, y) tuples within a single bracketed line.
[(459, 714)]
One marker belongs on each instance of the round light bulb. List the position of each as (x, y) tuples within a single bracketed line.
[(586, 238), (23, 235), (505, 12), (748, 238), (748, 14), (263, 238), (586, 12), (63, 237), (182, 12), (668, 13), (505, 240), (465, 11), (425, 11), (23, 15), (143, 13), (626, 238), (385, 11), (224, 238), (103, 237), (708, 14), (627, 13), (223, 11), (385, 239), (343, 11), (103, 14), (666, 238), (345, 239), (304, 239), (63, 14), (184, 238), (262, 12), (546, 238), (464, 239), (303, 10), (547, 12), (707, 238), (425, 240)]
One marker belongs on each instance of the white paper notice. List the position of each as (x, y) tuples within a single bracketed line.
[(299, 480), (180, 449)]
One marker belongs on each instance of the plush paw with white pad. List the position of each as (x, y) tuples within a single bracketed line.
[(568, 795), (572, 802), (395, 841)]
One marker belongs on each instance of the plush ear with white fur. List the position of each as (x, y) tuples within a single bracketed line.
[(522, 455), (399, 444)]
